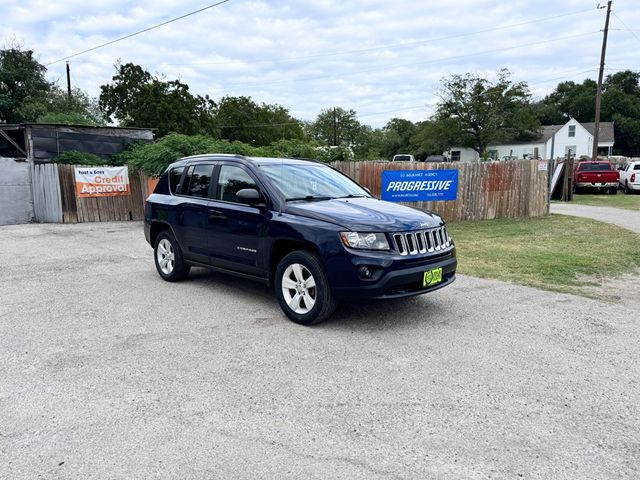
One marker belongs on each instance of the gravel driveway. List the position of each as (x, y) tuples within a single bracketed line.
[(106, 371), (629, 219)]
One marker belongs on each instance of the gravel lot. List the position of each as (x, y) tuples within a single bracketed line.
[(106, 371)]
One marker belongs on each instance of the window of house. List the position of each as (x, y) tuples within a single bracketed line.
[(572, 130), (455, 155), (231, 180), (174, 178), (197, 180)]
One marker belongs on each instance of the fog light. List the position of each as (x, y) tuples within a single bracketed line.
[(364, 272)]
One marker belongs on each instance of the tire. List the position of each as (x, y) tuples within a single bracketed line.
[(302, 303), (613, 191), (626, 187), (168, 258)]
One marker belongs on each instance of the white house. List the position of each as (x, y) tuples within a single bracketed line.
[(554, 141)]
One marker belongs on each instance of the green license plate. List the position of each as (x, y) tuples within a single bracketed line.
[(432, 277)]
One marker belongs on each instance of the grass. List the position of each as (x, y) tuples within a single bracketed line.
[(555, 252), (630, 202)]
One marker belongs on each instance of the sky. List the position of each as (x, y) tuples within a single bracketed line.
[(383, 59)]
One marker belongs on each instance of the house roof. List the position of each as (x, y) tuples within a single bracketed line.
[(606, 131)]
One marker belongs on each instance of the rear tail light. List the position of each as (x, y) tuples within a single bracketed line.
[(633, 178)]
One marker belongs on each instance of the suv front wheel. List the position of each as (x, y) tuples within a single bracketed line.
[(302, 288)]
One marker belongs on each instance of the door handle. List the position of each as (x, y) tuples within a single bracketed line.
[(216, 214)]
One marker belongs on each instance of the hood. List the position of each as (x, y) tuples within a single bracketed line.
[(366, 214)]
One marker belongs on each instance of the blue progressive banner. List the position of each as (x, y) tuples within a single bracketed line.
[(419, 185)]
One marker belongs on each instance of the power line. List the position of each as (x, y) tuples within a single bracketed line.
[(370, 49), (412, 64), (140, 31), (625, 26)]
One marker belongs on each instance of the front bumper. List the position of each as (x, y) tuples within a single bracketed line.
[(403, 280)]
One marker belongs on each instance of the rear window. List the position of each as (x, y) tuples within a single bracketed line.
[(402, 158), (594, 167), (636, 166), (174, 178)]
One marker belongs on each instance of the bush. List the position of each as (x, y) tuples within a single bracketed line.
[(74, 157)]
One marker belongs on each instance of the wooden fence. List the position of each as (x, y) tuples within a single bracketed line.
[(486, 190), (55, 199)]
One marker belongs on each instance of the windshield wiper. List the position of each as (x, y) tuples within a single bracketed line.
[(308, 197), (354, 195)]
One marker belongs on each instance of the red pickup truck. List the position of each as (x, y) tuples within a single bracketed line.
[(596, 175)]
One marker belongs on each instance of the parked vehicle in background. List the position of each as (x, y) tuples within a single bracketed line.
[(403, 157), (437, 159), (595, 175), (302, 227), (629, 179)]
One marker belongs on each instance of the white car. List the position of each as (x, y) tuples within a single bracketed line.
[(630, 177), (403, 157)]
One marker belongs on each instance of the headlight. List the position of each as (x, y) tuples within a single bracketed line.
[(371, 241)]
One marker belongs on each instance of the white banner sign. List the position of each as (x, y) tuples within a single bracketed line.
[(102, 181)]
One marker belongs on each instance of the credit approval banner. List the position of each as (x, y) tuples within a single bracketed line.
[(102, 181), (419, 185)]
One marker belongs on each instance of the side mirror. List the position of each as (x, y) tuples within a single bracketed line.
[(250, 196)]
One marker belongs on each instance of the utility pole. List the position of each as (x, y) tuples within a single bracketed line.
[(335, 128), (68, 82), (596, 133)]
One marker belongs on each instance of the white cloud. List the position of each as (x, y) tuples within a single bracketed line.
[(369, 55)]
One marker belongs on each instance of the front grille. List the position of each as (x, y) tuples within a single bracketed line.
[(422, 241)]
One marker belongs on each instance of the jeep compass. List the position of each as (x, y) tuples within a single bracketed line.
[(302, 227)]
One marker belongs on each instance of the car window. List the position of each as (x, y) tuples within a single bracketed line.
[(636, 166), (231, 180), (594, 167), (174, 178), (197, 181)]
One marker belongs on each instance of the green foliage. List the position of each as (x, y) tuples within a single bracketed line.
[(22, 81), (335, 126), (74, 157), (154, 158), (243, 120), (57, 107), (620, 104), (477, 113), (136, 98)]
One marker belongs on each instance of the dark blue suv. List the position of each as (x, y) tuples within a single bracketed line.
[(300, 226)]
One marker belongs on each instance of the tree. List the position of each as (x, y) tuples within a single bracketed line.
[(136, 98), (620, 105), (397, 135), (242, 119), (22, 80), (478, 113), (569, 99), (57, 107), (336, 126)]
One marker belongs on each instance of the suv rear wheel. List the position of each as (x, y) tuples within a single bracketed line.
[(302, 288), (168, 257)]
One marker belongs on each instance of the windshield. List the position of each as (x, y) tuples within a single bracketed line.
[(312, 181), (402, 158)]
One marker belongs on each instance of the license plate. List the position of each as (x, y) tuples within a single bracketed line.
[(432, 277)]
